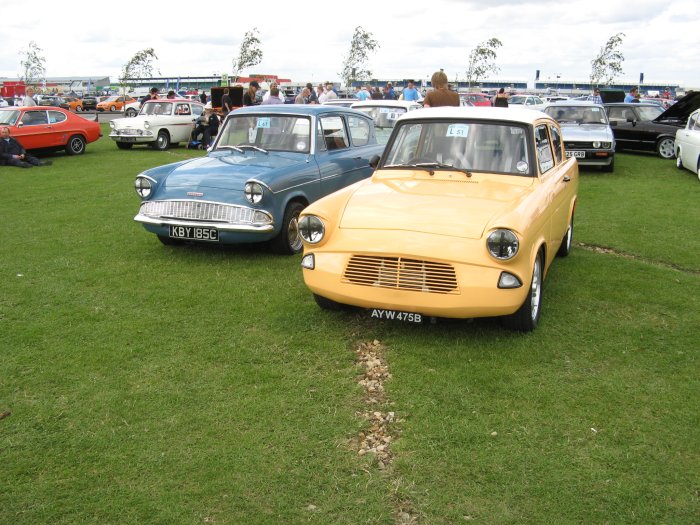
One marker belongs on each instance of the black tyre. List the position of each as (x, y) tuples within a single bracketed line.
[(526, 318), (75, 145), (328, 304), (124, 145), (79, 109), (113, 108), (162, 142), (131, 112), (666, 148), (565, 247), (288, 242), (679, 162)]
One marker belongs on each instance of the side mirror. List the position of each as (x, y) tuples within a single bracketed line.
[(613, 123), (374, 161)]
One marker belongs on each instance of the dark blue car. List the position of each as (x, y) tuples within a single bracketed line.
[(266, 165)]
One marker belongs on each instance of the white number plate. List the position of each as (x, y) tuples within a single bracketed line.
[(394, 315), (194, 233), (577, 154)]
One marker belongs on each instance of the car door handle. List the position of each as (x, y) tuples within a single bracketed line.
[(566, 178)]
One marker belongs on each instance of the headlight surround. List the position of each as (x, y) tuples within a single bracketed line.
[(146, 124), (596, 144), (607, 145), (253, 192), (502, 244), (112, 124), (312, 229), (143, 187)]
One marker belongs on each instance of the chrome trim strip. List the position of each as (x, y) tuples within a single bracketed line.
[(219, 226)]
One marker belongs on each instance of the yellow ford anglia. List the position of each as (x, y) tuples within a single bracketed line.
[(465, 212)]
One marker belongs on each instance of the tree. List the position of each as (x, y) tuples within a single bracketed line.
[(141, 65), (354, 66), (608, 64), (33, 70), (250, 54), (481, 60)]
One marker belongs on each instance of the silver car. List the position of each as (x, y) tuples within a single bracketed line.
[(587, 133)]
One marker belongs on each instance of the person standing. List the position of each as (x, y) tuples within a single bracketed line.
[(28, 99), (360, 93), (376, 94), (440, 95), (501, 99), (273, 98), (389, 92), (303, 97), (596, 98), (249, 98), (152, 95), (203, 97), (13, 154), (632, 96), (226, 102), (410, 93)]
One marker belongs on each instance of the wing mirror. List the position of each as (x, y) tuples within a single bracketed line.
[(374, 161)]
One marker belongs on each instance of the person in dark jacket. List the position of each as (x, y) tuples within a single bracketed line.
[(501, 99), (13, 154)]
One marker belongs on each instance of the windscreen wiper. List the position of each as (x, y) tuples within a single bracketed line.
[(250, 146), (429, 166)]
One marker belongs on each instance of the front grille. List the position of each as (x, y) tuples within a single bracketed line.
[(578, 145), (129, 131), (198, 211), (400, 273)]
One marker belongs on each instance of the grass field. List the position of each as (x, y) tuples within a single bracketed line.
[(159, 385)]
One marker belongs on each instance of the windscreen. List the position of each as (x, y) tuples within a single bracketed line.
[(270, 132)]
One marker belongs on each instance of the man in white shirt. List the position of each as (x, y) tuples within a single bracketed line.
[(28, 99)]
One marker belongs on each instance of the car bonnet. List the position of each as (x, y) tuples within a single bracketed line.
[(681, 110), (460, 207)]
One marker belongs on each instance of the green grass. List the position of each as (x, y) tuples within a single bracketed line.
[(150, 384)]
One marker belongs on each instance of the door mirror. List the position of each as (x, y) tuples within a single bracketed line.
[(374, 161)]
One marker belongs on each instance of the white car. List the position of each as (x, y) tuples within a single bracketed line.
[(159, 124), (526, 101), (385, 113), (688, 144)]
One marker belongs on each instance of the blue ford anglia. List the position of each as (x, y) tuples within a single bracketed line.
[(266, 165)]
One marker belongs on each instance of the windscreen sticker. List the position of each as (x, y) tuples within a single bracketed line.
[(457, 130), (263, 122)]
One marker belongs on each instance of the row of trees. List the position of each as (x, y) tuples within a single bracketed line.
[(605, 67)]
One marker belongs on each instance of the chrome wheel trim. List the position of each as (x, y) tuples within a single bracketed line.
[(293, 237), (667, 148), (536, 289), (679, 162), (77, 145)]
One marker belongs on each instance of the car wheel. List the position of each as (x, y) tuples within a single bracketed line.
[(162, 142), (565, 246), (328, 304), (666, 148), (131, 112), (169, 241), (79, 109), (526, 318), (75, 145), (113, 108), (288, 241), (124, 145)]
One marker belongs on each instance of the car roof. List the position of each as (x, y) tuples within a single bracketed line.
[(297, 109), (520, 115), (189, 101), (385, 103), (568, 103)]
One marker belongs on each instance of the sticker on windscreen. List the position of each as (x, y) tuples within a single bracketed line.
[(457, 130), (263, 122)]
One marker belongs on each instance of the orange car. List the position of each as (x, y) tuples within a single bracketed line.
[(114, 103), (72, 103)]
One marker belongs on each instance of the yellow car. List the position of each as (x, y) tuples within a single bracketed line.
[(463, 216)]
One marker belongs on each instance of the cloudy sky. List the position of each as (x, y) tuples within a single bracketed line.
[(416, 38)]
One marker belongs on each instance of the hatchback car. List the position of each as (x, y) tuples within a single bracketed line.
[(266, 165), (688, 145), (528, 101), (385, 113), (159, 124), (587, 133), (39, 127), (462, 218), (114, 103)]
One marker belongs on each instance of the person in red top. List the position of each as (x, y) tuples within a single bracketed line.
[(440, 95)]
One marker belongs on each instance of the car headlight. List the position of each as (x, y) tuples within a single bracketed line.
[(607, 145), (502, 244), (146, 124), (143, 187), (253, 192), (111, 124), (311, 229)]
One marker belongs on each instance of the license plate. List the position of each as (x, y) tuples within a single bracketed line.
[(194, 233), (395, 315), (577, 154), (128, 139)]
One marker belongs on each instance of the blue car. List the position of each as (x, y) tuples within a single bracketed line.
[(265, 166)]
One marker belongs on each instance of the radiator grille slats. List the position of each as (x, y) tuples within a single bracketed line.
[(401, 273), (198, 211)]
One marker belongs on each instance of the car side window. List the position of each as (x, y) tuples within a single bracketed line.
[(359, 130), (56, 116), (34, 118), (182, 109), (692, 121), (197, 110), (556, 142), (616, 115), (334, 135), (544, 149)]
